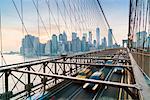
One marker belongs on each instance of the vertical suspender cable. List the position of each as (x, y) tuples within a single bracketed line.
[(22, 26)]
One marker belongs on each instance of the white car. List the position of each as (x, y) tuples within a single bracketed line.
[(119, 70)]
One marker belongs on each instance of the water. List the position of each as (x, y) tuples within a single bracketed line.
[(12, 59), (17, 58)]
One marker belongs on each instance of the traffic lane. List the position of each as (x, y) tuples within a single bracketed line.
[(66, 92), (84, 94), (88, 94), (112, 92)]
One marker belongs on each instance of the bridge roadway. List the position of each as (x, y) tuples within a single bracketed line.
[(112, 86), (73, 90)]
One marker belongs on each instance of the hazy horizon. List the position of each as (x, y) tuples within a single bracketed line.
[(116, 12)]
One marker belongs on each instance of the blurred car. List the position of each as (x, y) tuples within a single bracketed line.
[(119, 70), (85, 73), (96, 76), (109, 62)]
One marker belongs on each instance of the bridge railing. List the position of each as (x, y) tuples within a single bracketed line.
[(143, 60), (17, 85), (23, 85)]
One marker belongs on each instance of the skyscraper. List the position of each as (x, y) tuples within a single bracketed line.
[(30, 46), (141, 39), (60, 37), (148, 43), (74, 35), (94, 43), (65, 41), (110, 42), (64, 36), (85, 35), (90, 39), (83, 44), (104, 43), (61, 47), (54, 45), (48, 48), (74, 42), (98, 37), (78, 44)]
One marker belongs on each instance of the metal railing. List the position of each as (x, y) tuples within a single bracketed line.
[(143, 60)]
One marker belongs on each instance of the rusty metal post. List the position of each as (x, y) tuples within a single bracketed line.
[(44, 78), (55, 73), (29, 78), (6, 81)]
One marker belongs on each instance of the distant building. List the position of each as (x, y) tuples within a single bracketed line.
[(74, 35), (87, 47), (54, 45), (69, 44), (98, 37), (94, 43), (104, 43), (48, 48), (30, 46), (60, 37), (64, 37), (141, 39), (148, 41), (61, 47), (74, 42), (78, 44), (90, 39), (83, 44), (42, 49), (65, 41), (85, 35), (110, 41)]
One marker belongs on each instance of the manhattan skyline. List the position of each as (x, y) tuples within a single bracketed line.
[(12, 31), (58, 45)]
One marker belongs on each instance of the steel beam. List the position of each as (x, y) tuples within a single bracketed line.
[(93, 64), (107, 83), (96, 58)]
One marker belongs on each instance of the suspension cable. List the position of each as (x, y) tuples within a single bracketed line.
[(106, 19)]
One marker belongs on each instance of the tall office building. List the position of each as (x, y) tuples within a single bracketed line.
[(61, 47), (64, 37), (54, 45), (141, 39), (60, 37), (36, 46), (94, 43), (148, 42), (30, 46), (104, 43), (98, 37), (74, 35), (48, 48), (69, 44), (85, 35), (78, 44), (74, 42), (65, 41), (110, 41), (90, 38), (83, 44)]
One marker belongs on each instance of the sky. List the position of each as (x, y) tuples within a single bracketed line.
[(87, 19)]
